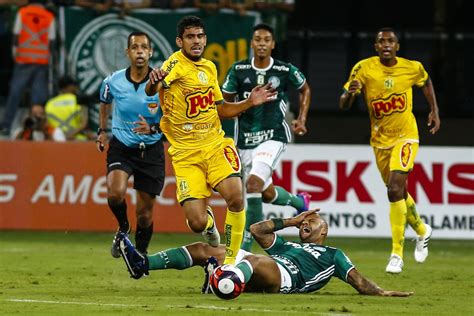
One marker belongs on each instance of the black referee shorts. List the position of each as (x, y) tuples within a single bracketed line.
[(147, 165)]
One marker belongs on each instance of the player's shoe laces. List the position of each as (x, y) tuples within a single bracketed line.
[(115, 249), (395, 264), (211, 264), (306, 199), (211, 235), (137, 264), (421, 249)]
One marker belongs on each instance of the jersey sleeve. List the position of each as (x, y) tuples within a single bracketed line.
[(172, 67), (422, 75), (230, 83), (343, 265), (356, 74), (105, 96), (276, 247), (296, 77)]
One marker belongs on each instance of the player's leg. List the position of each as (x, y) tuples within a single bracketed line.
[(261, 274), (224, 175), (277, 195)]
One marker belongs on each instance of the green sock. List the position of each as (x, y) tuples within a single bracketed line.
[(175, 258), (254, 214), (284, 197), (246, 269)]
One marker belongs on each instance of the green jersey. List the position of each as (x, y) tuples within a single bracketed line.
[(265, 122), (310, 266)]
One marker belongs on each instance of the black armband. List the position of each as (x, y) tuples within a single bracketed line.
[(155, 128), (278, 223)]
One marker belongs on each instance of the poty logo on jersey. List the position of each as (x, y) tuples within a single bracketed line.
[(232, 158), (98, 49), (200, 102), (384, 107), (405, 154)]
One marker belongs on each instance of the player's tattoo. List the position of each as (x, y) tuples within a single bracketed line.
[(363, 285)]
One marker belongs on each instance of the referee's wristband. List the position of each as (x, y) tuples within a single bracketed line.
[(155, 128), (278, 224)]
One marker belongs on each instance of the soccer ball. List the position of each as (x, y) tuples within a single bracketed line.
[(227, 282)]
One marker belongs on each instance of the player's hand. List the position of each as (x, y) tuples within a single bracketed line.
[(298, 219), (396, 293), (354, 87), (434, 122), (156, 75), (142, 128), (299, 127), (262, 94), (101, 141)]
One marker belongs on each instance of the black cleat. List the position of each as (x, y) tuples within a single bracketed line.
[(211, 264), (137, 264)]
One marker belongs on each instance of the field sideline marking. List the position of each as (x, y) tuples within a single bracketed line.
[(71, 303), (213, 307)]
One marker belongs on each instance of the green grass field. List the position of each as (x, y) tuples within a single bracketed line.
[(74, 274)]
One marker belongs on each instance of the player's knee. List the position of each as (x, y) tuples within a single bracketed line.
[(395, 192), (115, 197), (235, 203), (197, 225), (254, 184)]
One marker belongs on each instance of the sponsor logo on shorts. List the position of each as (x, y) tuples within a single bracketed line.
[(183, 186), (232, 157), (97, 50), (405, 154)]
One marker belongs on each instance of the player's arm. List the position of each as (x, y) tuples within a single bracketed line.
[(258, 96), (155, 83), (263, 232), (433, 118), (299, 125), (367, 287), (348, 96), (102, 136)]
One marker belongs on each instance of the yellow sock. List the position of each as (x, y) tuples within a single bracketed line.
[(233, 230), (398, 211), (210, 222), (413, 218)]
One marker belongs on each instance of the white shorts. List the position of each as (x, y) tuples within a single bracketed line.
[(285, 285), (268, 152)]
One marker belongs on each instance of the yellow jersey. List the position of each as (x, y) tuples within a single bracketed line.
[(188, 100), (389, 98)]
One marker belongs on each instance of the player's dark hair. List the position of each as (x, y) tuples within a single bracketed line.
[(263, 26), (187, 22), (386, 29), (137, 33), (66, 81)]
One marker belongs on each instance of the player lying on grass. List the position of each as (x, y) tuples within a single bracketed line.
[(292, 267)]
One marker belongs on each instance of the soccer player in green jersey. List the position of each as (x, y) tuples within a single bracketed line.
[(263, 133), (291, 267)]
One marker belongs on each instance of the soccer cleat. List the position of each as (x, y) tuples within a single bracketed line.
[(137, 264), (211, 264), (115, 249), (306, 199), (211, 235), (421, 248), (395, 264)]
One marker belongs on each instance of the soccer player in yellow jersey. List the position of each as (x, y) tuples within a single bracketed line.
[(203, 159), (386, 82)]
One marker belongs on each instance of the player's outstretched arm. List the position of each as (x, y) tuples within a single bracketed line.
[(299, 125), (367, 287), (154, 84), (258, 96)]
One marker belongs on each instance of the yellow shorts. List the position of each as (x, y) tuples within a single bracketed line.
[(400, 157), (199, 171)]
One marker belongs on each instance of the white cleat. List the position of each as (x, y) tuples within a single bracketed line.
[(421, 249), (395, 264), (211, 235)]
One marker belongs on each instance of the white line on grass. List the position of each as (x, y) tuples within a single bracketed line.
[(70, 303)]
